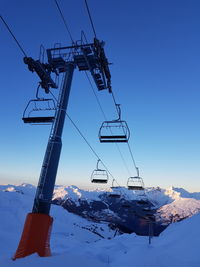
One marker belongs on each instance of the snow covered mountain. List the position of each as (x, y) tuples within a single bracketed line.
[(171, 205), (174, 204), (178, 210), (161, 197), (156, 195), (76, 241)]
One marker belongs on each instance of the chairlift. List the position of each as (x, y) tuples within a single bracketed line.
[(39, 111), (115, 131), (99, 176), (135, 183), (115, 190)]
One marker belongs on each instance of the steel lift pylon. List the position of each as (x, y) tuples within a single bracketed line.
[(87, 57)]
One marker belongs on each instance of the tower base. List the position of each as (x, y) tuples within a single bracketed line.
[(36, 236)]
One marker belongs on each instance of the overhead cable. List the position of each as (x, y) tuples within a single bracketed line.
[(17, 42), (64, 20), (129, 148), (103, 113), (84, 138), (91, 21)]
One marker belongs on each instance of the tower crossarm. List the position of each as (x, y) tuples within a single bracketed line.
[(87, 57)]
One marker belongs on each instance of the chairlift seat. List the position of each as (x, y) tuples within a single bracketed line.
[(113, 139), (38, 119), (99, 181), (134, 187)]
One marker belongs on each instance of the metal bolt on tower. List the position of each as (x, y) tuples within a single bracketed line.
[(87, 57)]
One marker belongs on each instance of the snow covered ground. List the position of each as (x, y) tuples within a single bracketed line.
[(76, 242)]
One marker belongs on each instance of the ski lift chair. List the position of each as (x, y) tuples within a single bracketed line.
[(115, 191), (135, 183), (115, 131), (99, 176), (39, 111)]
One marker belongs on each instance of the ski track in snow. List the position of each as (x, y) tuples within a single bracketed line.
[(74, 245)]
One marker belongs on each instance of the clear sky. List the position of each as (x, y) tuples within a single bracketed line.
[(155, 50)]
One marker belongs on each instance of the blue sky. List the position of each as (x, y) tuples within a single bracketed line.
[(154, 48)]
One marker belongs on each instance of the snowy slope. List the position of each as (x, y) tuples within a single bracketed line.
[(16, 202), (73, 245)]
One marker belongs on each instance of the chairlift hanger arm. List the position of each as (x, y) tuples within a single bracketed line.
[(118, 112), (99, 47), (43, 71), (97, 167), (137, 170)]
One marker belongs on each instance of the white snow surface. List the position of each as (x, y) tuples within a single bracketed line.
[(74, 245)]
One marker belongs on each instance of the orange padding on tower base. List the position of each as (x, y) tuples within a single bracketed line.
[(36, 236)]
